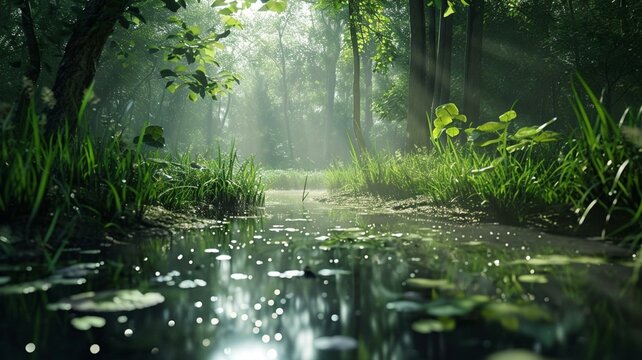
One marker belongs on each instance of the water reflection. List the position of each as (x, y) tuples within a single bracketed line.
[(309, 281)]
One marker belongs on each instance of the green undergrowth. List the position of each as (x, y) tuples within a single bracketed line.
[(592, 177), (68, 178), (292, 179)]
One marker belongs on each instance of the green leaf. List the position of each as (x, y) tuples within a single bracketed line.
[(452, 132), (430, 283), (167, 72), (193, 97), (442, 121), (449, 109), (436, 132), (491, 142), (526, 132), (218, 3), (460, 117), (84, 323), (152, 136), (508, 116), (492, 126), (519, 146), (430, 326), (450, 10)]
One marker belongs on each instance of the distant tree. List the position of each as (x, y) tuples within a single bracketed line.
[(473, 59), (416, 129)]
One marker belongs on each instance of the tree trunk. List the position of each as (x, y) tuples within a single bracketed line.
[(431, 55), (444, 53), (78, 65), (286, 94), (473, 59), (32, 72), (333, 28), (353, 11), (367, 88), (416, 127)]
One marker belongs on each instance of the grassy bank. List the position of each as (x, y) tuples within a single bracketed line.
[(595, 177), (65, 179)]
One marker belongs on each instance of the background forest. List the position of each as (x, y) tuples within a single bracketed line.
[(293, 105)]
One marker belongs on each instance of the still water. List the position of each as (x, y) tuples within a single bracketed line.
[(312, 280)]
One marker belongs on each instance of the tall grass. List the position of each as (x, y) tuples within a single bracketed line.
[(48, 177), (610, 167), (597, 172)]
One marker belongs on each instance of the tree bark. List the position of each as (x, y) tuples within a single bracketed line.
[(473, 59), (333, 28), (286, 94), (431, 54), (353, 11), (78, 65), (416, 126), (444, 54), (367, 88), (32, 71)]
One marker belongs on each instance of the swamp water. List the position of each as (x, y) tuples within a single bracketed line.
[(320, 281)]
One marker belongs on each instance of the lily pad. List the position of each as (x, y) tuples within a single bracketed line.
[(190, 284), (514, 354), (430, 325), (405, 306), (109, 301), (531, 278), (424, 283), (455, 307), (339, 342), (84, 323)]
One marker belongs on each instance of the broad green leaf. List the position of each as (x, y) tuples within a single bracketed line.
[(533, 278), (442, 121), (172, 87), (436, 132), (452, 132), (449, 109), (546, 136), (167, 72), (430, 283), (460, 117), (491, 142), (218, 3), (193, 97), (528, 131), (492, 126), (430, 326), (181, 68), (508, 116)]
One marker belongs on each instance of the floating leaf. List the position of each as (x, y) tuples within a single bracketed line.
[(85, 323), (430, 326), (531, 278), (109, 301), (455, 307), (405, 306), (430, 283), (514, 354)]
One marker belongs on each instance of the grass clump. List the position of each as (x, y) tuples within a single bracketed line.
[(46, 178), (517, 176)]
